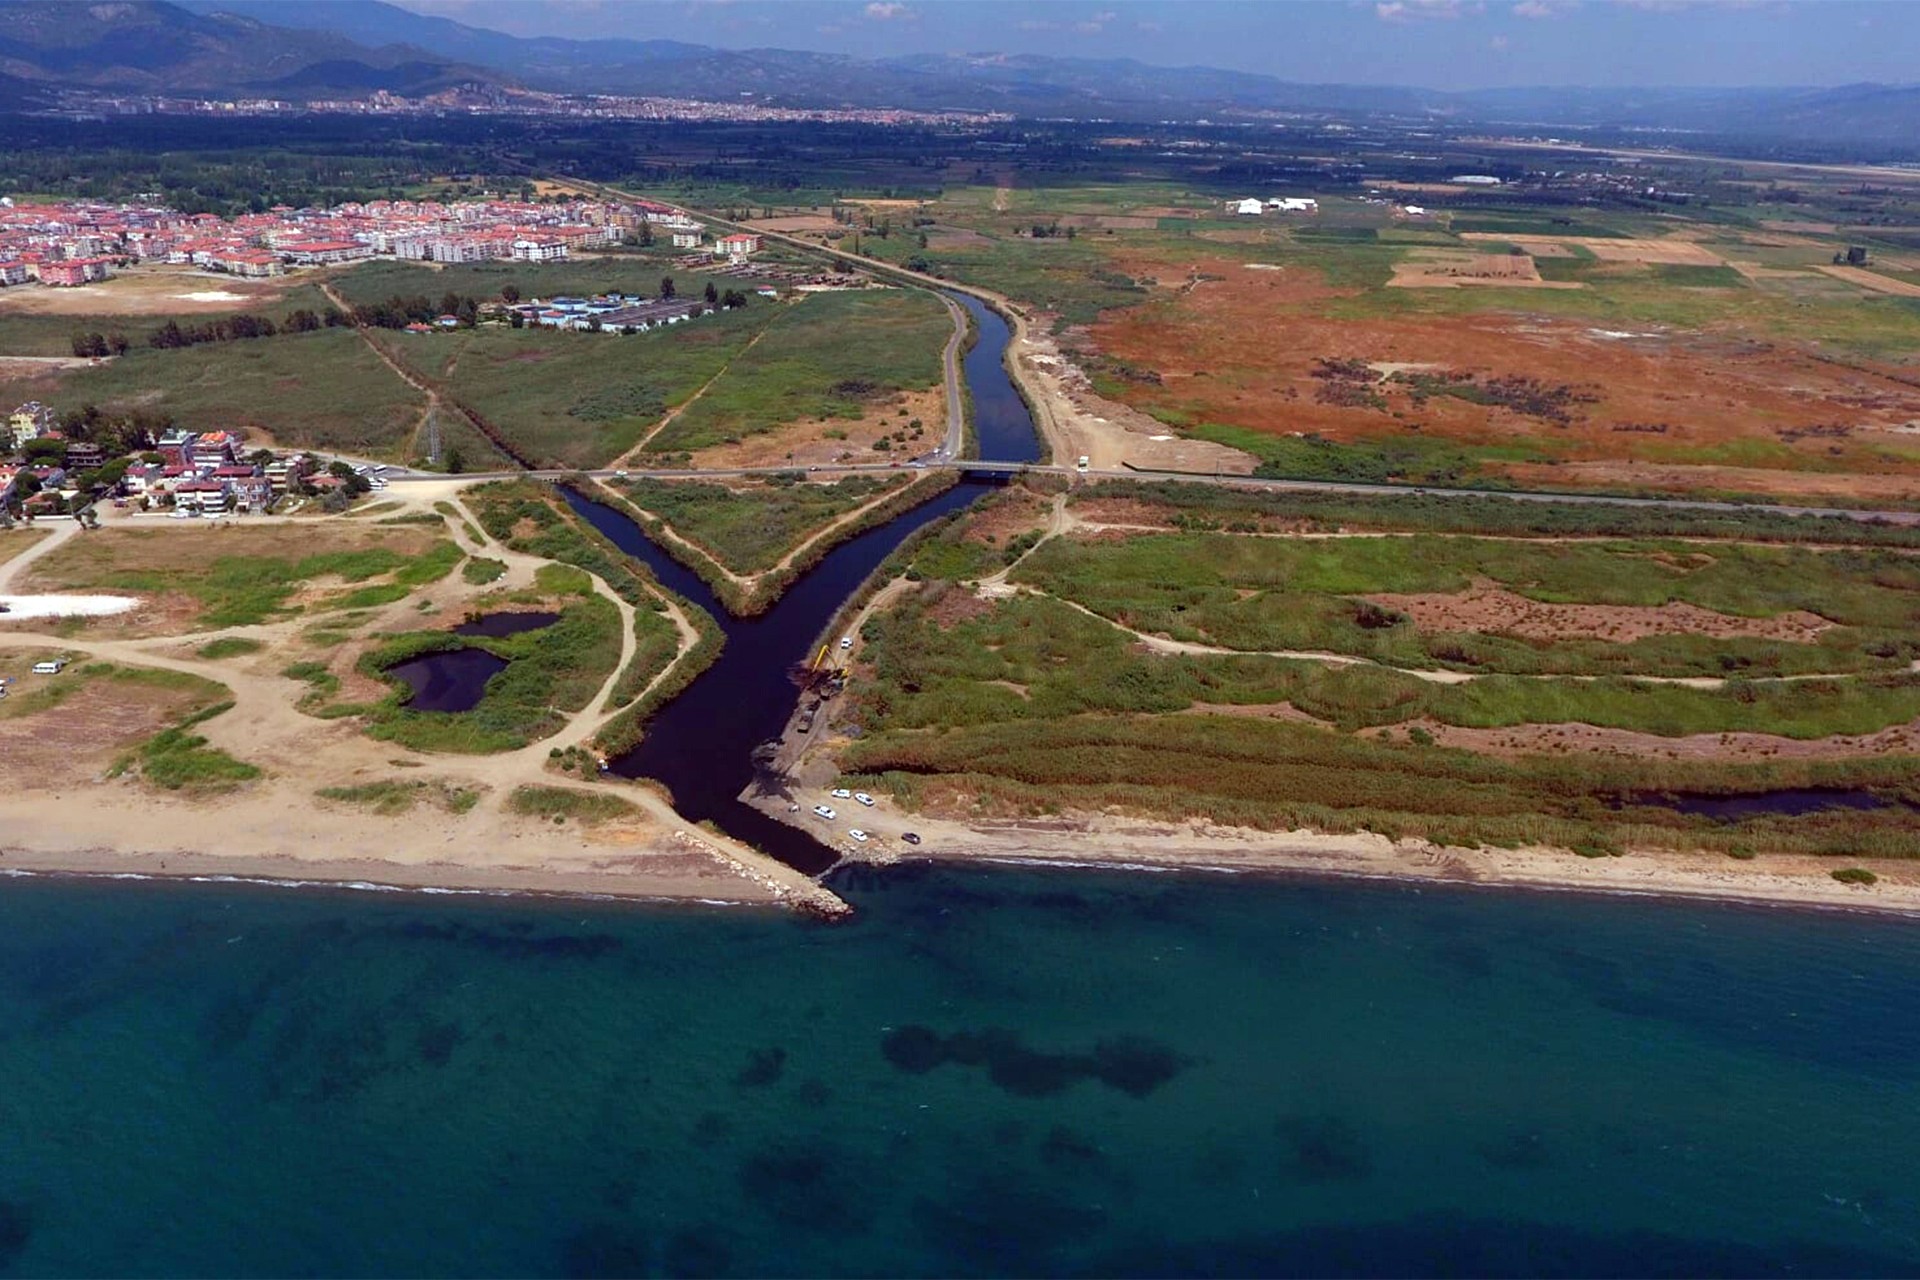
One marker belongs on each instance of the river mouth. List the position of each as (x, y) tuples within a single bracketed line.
[(451, 680), (702, 744), (496, 626)]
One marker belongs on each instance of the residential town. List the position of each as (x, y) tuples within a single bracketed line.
[(77, 242), (57, 466)]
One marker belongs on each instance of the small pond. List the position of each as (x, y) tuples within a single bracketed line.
[(505, 624), (451, 681)]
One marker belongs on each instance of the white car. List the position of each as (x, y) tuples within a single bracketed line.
[(180, 513), (846, 642), (619, 475), (863, 798), (857, 834), (821, 811), (841, 793)]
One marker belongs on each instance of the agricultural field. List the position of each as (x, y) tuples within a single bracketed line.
[(1254, 663), (1633, 351), (834, 369)]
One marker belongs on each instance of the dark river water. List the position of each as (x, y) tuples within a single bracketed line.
[(701, 743), (988, 1071)]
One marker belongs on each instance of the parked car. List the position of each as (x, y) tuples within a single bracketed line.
[(821, 811), (841, 793), (857, 834), (846, 642), (910, 837), (863, 798)]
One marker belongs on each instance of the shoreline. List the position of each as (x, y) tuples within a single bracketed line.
[(1102, 842), (370, 876)]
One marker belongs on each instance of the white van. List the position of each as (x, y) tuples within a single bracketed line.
[(52, 668), (1082, 464)]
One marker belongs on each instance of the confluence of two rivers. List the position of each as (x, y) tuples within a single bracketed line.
[(701, 743)]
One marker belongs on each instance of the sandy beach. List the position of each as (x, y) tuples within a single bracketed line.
[(113, 828)]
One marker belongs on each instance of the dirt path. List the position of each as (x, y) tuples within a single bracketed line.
[(61, 531), (432, 396)]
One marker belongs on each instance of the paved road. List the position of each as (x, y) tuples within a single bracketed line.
[(1238, 481)]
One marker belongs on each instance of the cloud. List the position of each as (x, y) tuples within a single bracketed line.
[(1544, 8), (1096, 24), (1499, 44), (1421, 10), (888, 11)]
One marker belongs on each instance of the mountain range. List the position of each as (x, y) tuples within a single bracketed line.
[(327, 48)]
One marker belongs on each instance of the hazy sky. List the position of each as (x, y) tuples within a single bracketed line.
[(1438, 43)]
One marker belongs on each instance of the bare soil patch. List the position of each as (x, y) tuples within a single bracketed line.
[(1872, 280), (807, 443), (76, 740), (1489, 608), (794, 223), (1669, 251), (143, 291), (1442, 269), (1019, 512)]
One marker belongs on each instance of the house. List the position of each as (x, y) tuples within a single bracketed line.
[(213, 449), (1294, 204), (14, 272), (69, 272), (29, 422), (1250, 208), (205, 495), (528, 249), (83, 455), (738, 245), (686, 239), (316, 253), (252, 263)]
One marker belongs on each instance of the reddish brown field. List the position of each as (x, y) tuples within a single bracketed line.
[(1239, 347)]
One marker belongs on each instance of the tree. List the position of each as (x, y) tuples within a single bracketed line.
[(646, 235), (456, 461), (517, 320), (666, 286), (713, 294), (510, 292)]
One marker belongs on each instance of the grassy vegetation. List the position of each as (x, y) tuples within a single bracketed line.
[(178, 759), (747, 527), (550, 673), (578, 399), (561, 803), (394, 797), (1260, 594), (1025, 705), (377, 281), (791, 513), (1212, 507), (530, 518), (479, 571), (322, 390), (832, 356), (254, 586), (229, 647)]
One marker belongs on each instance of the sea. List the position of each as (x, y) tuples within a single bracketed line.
[(987, 1071)]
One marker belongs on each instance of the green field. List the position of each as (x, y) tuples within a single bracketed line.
[(748, 527), (577, 399), (1259, 594), (831, 356), (321, 390), (482, 281), (1025, 704)]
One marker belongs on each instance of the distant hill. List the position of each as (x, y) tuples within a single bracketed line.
[(152, 46), (314, 48)]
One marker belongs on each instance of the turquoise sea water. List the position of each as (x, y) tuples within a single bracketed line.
[(989, 1071)]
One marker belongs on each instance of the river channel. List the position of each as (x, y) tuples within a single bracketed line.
[(701, 744)]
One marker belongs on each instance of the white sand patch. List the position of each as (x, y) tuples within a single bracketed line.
[(1263, 266), (61, 606), (211, 295), (1159, 437)]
